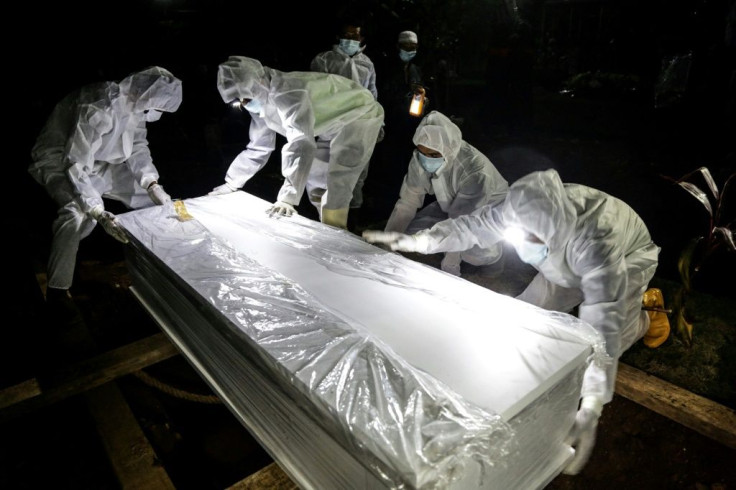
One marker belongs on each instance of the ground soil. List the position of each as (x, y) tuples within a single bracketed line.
[(597, 142)]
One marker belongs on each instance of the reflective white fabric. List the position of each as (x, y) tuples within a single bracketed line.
[(465, 182), (358, 67), (427, 380), (302, 106), (94, 143), (601, 258)]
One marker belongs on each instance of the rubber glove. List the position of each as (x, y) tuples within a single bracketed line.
[(109, 222), (451, 263), (157, 194), (582, 434), (222, 189), (280, 209), (399, 242)]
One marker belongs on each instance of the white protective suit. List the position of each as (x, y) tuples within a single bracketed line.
[(302, 106), (466, 181), (359, 68), (93, 145), (601, 258)]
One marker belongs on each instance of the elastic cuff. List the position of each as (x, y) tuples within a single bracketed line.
[(96, 211), (147, 180)]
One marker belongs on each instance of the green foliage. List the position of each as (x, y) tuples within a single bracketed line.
[(717, 235)]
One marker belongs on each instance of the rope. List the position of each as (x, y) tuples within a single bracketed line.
[(175, 392)]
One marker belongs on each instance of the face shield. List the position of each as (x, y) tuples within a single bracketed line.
[(240, 78), (152, 88)]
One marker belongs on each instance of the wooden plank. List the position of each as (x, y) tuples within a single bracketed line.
[(700, 414), (272, 477), (90, 373), (133, 459), (18, 393)]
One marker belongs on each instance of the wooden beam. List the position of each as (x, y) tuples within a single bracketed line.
[(700, 414), (85, 375), (271, 477), (18, 393), (133, 459)]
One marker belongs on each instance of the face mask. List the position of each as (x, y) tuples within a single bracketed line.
[(532, 253), (349, 46), (152, 115), (430, 164), (406, 55), (254, 106)]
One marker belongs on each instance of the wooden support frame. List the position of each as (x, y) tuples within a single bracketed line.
[(271, 477), (132, 457), (700, 414), (85, 375)]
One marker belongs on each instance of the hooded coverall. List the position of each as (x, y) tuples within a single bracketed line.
[(466, 181), (94, 144), (302, 106)]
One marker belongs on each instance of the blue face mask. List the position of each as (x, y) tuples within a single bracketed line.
[(429, 164), (349, 46), (254, 106), (531, 252), (406, 56)]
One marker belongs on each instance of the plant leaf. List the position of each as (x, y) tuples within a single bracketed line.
[(684, 328), (698, 194), (709, 180), (727, 235), (684, 263)]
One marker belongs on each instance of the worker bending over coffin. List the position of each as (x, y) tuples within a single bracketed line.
[(462, 179), (94, 145), (591, 250), (301, 106)]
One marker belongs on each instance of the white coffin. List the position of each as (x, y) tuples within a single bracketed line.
[(355, 367)]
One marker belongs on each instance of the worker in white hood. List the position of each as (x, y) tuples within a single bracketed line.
[(301, 106), (591, 250), (460, 177), (95, 144)]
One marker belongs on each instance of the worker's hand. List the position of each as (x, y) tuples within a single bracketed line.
[(280, 209), (110, 223), (583, 432), (157, 194), (398, 242), (222, 189)]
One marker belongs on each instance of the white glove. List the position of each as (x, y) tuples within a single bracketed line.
[(399, 242), (222, 189), (157, 194), (110, 223), (281, 208), (582, 434), (451, 263)]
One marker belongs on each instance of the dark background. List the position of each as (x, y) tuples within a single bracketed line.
[(571, 85), (521, 81)]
